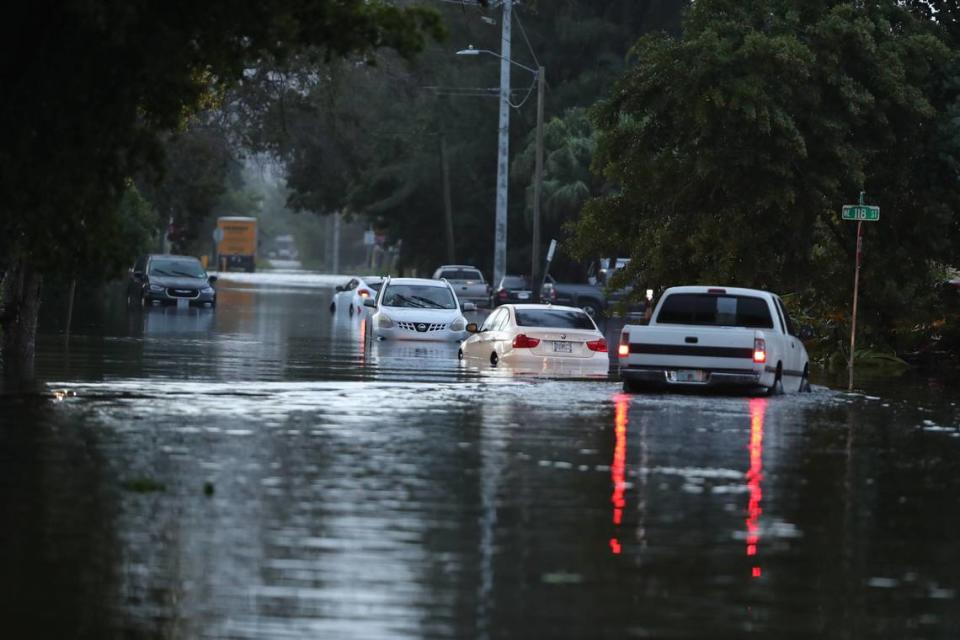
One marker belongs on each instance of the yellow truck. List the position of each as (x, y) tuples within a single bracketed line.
[(236, 240)]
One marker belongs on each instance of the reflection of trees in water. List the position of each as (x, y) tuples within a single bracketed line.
[(59, 577)]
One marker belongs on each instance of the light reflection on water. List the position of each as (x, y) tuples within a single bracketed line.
[(380, 490)]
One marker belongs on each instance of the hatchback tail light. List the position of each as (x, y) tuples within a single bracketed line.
[(759, 350), (597, 345), (624, 349), (525, 342)]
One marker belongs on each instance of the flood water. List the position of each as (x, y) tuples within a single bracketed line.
[(262, 471)]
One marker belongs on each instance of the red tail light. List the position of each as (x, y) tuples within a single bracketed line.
[(525, 342), (624, 349), (597, 345), (502, 294), (759, 350), (363, 293)]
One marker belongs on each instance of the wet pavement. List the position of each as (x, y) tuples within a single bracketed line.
[(262, 471)]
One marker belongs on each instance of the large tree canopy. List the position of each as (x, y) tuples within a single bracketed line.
[(734, 147), (88, 85)]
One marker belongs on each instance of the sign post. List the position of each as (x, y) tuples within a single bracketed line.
[(546, 268), (861, 213), (217, 239)]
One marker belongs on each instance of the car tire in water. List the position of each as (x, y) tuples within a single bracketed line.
[(494, 358), (805, 380), (333, 307), (459, 354), (776, 388), (630, 386)]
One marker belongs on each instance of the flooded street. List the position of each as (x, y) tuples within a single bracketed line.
[(263, 471)]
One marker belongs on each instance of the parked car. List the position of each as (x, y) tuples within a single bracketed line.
[(537, 334), (715, 336), (467, 281), (170, 279), (417, 309), (350, 295), (513, 289)]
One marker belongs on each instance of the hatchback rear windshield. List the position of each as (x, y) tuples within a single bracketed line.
[(715, 310), (554, 319), (177, 268), (418, 297), (375, 285), (461, 274), (513, 282)]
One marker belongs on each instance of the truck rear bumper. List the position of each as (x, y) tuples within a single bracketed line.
[(670, 377)]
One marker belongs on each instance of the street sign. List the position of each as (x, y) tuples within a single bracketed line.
[(218, 235), (862, 212), (553, 247), (369, 239)]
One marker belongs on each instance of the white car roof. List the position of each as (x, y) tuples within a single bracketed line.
[(543, 307), (734, 291), (419, 281)]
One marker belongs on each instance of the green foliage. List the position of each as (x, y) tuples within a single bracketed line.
[(734, 148)]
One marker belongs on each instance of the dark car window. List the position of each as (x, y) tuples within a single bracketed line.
[(140, 264), (715, 310), (492, 320), (418, 296), (462, 274), (554, 319), (513, 282), (375, 285), (791, 327), (176, 268)]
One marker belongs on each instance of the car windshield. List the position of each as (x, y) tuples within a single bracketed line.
[(554, 319), (715, 310), (177, 269), (375, 285), (462, 274), (418, 296)]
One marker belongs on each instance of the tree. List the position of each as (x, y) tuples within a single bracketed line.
[(734, 147), (90, 84)]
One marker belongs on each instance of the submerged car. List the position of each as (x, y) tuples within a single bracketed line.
[(170, 279), (417, 309), (537, 334), (350, 295)]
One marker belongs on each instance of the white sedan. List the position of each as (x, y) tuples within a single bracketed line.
[(349, 296), (537, 335)]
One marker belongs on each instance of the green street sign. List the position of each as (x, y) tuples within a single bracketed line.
[(860, 212)]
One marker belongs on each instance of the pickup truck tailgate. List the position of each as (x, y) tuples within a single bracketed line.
[(714, 348)]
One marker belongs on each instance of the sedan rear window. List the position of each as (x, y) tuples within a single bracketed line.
[(513, 282), (715, 310), (554, 319)]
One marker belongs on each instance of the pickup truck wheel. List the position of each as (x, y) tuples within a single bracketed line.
[(776, 388), (805, 381), (631, 387), (494, 358)]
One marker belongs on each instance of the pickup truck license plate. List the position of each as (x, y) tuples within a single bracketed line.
[(562, 347), (688, 375)]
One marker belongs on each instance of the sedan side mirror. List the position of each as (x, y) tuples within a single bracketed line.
[(370, 302), (472, 327), (469, 306), (339, 287)]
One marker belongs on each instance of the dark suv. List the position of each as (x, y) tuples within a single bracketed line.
[(170, 279)]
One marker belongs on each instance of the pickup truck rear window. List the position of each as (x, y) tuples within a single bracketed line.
[(715, 310), (462, 274), (554, 319)]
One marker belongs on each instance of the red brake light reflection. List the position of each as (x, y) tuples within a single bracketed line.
[(525, 342)]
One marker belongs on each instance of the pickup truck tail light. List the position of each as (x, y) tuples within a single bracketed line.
[(624, 349), (597, 345), (759, 350), (525, 342)]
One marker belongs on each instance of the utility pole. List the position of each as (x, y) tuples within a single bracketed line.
[(537, 190), (500, 225), (447, 203), (335, 267)]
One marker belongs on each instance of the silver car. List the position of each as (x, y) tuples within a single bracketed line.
[(467, 282)]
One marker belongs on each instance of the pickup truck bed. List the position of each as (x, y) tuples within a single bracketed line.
[(714, 337)]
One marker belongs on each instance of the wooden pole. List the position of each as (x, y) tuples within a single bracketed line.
[(856, 291), (537, 191), (447, 201)]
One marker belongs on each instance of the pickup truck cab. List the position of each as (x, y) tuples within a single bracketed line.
[(715, 337)]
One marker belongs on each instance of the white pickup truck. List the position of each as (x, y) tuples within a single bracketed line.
[(717, 337)]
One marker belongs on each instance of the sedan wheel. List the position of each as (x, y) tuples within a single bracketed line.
[(494, 358)]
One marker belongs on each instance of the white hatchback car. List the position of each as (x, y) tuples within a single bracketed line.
[(349, 296), (537, 334), (417, 309)]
